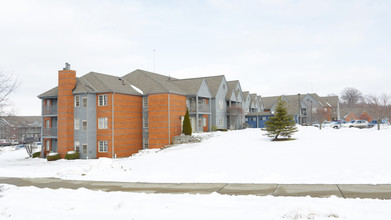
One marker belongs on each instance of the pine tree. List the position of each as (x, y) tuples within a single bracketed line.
[(186, 124), (281, 124)]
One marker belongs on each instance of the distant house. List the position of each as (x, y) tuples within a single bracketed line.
[(219, 89), (21, 128), (306, 109)]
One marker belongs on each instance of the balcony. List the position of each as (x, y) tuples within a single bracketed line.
[(50, 132), (202, 108), (49, 111)]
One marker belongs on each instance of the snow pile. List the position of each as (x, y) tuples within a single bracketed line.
[(34, 203), (8, 149)]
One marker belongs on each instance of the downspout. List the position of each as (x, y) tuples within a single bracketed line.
[(112, 126), (196, 120), (169, 120), (42, 124), (88, 121)]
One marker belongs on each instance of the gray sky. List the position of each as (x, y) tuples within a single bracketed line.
[(273, 47)]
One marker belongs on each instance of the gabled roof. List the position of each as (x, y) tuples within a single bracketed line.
[(253, 98), (189, 86), (23, 121), (50, 93), (214, 83), (94, 82), (151, 83), (231, 87), (245, 95), (99, 83)]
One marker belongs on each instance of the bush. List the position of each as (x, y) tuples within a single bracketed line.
[(222, 129), (72, 155), (214, 128), (53, 156), (37, 154), (186, 124)]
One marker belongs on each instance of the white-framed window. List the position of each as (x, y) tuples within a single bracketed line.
[(221, 121), (204, 121), (77, 101), (145, 122), (77, 146), (221, 104), (47, 145), (84, 102), (103, 146), (145, 143), (84, 125), (102, 123), (102, 100), (145, 102), (85, 148), (77, 124), (263, 118)]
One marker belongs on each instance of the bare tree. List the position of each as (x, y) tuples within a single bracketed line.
[(379, 106), (351, 96), (8, 84)]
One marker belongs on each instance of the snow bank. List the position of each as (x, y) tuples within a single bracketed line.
[(34, 203)]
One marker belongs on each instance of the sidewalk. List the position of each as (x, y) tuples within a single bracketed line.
[(382, 191)]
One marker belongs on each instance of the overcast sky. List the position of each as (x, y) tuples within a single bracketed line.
[(273, 47)]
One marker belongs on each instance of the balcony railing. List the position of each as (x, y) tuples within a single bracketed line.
[(50, 131), (201, 108), (50, 111)]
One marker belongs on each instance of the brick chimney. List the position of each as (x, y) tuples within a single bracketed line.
[(65, 133)]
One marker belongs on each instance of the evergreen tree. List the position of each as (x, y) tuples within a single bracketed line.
[(186, 124), (281, 124)]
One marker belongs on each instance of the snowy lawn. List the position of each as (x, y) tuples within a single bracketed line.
[(34, 203), (245, 156)]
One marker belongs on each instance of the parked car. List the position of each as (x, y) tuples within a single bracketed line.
[(373, 123), (360, 124), (345, 124), (5, 142), (37, 145), (326, 124), (14, 142), (336, 124)]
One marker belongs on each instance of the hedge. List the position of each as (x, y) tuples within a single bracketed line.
[(72, 155), (37, 154), (53, 156)]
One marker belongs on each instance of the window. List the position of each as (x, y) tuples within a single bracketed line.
[(223, 86), (84, 102), (221, 121), (84, 148), (221, 104), (47, 145), (204, 121), (145, 122), (264, 118), (102, 123), (304, 111), (77, 146), (77, 124), (47, 123), (84, 125), (103, 146), (145, 143), (77, 101), (145, 102), (102, 100)]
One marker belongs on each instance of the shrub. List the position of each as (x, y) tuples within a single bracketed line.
[(186, 124), (214, 128), (72, 155), (53, 156), (37, 154), (222, 129)]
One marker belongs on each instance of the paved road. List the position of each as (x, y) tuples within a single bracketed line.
[(314, 190)]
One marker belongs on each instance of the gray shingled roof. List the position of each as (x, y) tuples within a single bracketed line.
[(50, 93), (98, 82), (245, 94), (151, 83), (231, 87), (189, 86), (214, 83), (253, 98)]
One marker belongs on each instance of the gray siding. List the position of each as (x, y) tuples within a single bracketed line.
[(220, 112), (87, 137)]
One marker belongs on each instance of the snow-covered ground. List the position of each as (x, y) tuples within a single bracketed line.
[(33, 203), (245, 156)]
